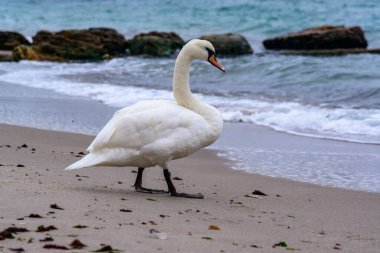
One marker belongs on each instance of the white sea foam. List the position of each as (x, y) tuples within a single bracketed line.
[(359, 125)]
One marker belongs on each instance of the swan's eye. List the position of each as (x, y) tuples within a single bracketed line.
[(210, 52)]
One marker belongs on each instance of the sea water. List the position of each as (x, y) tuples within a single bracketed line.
[(327, 97)]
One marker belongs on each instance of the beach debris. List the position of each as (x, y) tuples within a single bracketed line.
[(337, 246), (283, 244), (278, 195), (257, 192), (35, 215), (152, 222), (207, 238), (235, 244), (47, 239), (20, 165), (21, 239), (133, 171), (55, 206), (280, 244), (24, 145), (17, 249), (8, 232), (154, 233), (107, 248), (80, 226), (164, 216), (126, 210), (252, 196), (42, 228), (150, 199), (81, 153), (82, 176), (76, 244), (177, 178), (213, 227), (291, 216), (256, 246), (55, 246)]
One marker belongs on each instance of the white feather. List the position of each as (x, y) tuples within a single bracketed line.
[(151, 133)]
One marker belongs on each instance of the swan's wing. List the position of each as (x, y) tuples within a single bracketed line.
[(106, 133), (150, 124)]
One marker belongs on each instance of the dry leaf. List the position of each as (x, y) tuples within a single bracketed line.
[(213, 227)]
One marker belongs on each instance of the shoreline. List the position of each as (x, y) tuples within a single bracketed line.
[(306, 216), (257, 149), (219, 154)]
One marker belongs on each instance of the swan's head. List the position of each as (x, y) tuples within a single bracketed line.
[(202, 50)]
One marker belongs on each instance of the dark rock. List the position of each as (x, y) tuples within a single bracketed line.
[(47, 239), (31, 53), (87, 44), (6, 55), (17, 249), (323, 37), (55, 206), (331, 52), (42, 228), (55, 246), (9, 40), (76, 244), (105, 248), (80, 226), (35, 215), (229, 44), (257, 192), (7, 233), (155, 44)]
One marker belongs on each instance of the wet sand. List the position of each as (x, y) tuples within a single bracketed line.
[(305, 216)]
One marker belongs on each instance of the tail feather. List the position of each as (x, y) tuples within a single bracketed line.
[(87, 161)]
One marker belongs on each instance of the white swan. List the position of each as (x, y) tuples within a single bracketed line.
[(154, 132)]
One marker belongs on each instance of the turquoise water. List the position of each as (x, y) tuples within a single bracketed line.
[(254, 19)]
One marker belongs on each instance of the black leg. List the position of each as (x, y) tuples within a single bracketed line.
[(173, 191), (138, 184)]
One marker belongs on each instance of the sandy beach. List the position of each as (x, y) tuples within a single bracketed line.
[(305, 216), (296, 166)]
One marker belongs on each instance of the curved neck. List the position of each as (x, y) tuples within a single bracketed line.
[(185, 98), (181, 89)]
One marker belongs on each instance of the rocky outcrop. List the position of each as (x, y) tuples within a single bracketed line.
[(9, 40), (88, 44), (229, 44), (317, 38), (331, 52), (31, 53), (155, 44), (6, 55)]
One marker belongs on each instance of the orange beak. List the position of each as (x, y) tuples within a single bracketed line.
[(214, 62)]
